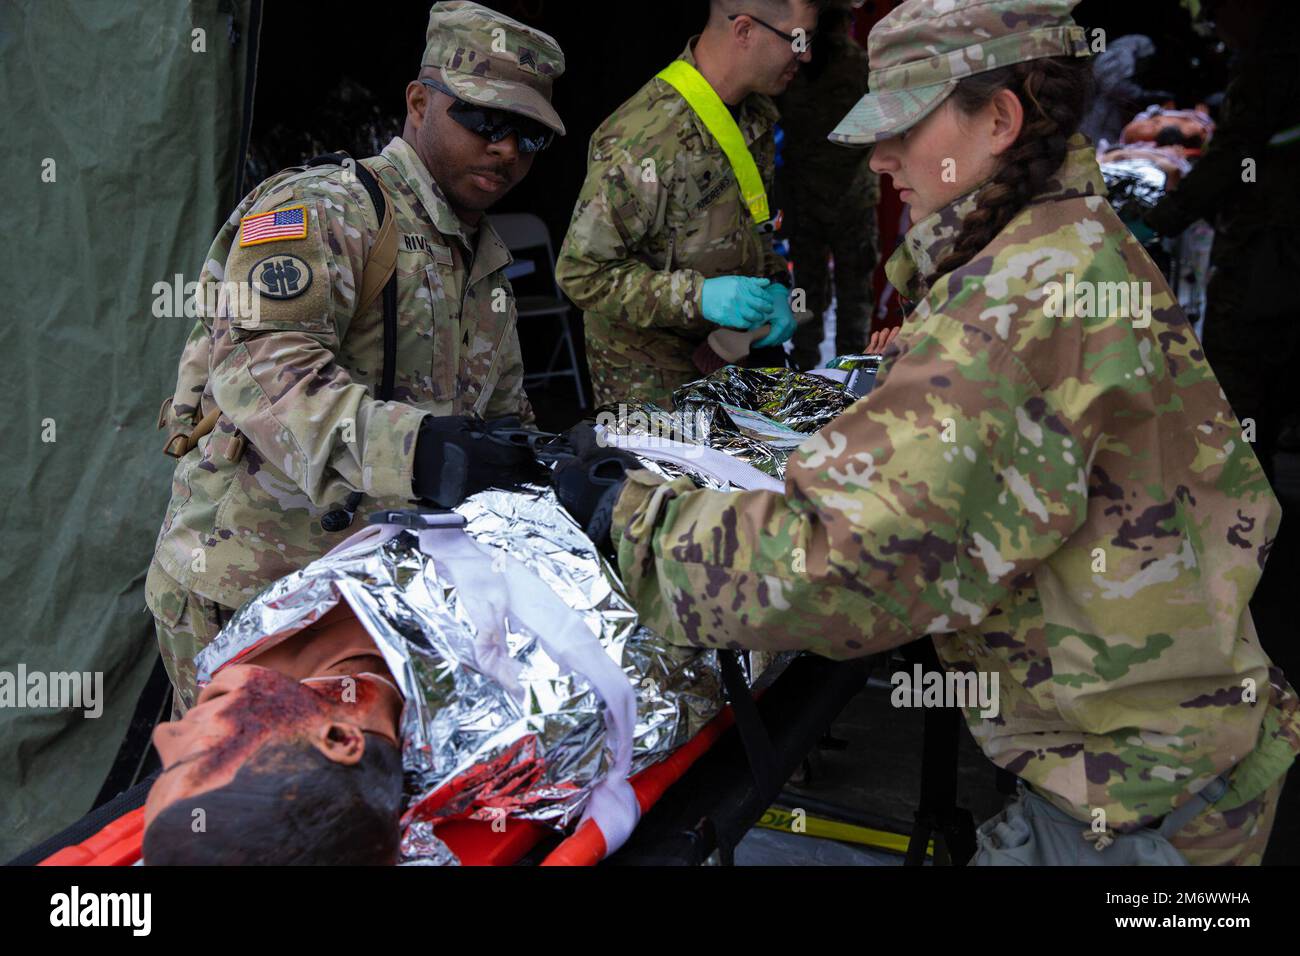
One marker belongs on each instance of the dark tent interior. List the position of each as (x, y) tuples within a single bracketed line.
[(349, 95)]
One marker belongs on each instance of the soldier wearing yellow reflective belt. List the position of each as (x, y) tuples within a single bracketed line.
[(671, 235)]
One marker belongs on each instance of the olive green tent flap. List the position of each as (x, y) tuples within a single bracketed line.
[(121, 127)]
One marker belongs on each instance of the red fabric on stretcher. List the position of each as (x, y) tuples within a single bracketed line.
[(117, 844), (474, 842)]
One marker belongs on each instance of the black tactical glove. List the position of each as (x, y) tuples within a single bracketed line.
[(588, 484), (456, 456)]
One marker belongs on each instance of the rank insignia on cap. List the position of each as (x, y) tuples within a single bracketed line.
[(273, 226)]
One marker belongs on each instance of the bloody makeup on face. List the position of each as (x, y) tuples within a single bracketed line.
[(243, 708)]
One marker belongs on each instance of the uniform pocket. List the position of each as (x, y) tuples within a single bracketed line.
[(424, 337), (165, 598), (234, 491), (443, 334), (181, 491), (493, 374), (287, 283)]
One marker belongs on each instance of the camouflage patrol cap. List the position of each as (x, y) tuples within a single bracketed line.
[(920, 51), (492, 60)]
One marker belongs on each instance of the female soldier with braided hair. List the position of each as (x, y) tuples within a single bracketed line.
[(1046, 478)]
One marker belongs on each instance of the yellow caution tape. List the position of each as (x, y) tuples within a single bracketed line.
[(802, 823)]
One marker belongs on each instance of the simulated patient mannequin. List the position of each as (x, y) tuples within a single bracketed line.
[(530, 689), (288, 756), (1189, 128)]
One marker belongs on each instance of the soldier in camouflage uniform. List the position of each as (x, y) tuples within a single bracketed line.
[(829, 193), (661, 211), (299, 431), (1058, 495), (1252, 323)]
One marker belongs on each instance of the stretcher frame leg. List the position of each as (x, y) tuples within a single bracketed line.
[(937, 812)]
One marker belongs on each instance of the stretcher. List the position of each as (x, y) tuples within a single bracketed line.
[(742, 777), (699, 800)]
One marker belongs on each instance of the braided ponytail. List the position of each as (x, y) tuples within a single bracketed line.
[(1054, 92)]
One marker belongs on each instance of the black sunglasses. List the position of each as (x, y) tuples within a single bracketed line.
[(496, 125), (789, 38)]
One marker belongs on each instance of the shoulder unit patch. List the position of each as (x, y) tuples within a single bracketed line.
[(280, 277)]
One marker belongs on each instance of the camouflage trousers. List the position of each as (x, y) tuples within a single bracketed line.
[(186, 624), (850, 239)]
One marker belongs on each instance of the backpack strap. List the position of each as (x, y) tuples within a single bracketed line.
[(380, 273), (1204, 798), (382, 264), (180, 444)]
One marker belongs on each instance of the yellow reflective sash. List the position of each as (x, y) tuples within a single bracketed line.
[(708, 106)]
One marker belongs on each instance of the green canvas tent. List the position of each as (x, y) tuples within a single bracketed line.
[(125, 126)]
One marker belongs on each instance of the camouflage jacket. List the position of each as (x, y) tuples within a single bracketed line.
[(1067, 503), (824, 179), (294, 378), (659, 213)]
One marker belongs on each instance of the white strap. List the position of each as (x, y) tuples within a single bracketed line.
[(502, 588), (479, 581), (497, 587), (699, 458), (367, 539), (375, 535)]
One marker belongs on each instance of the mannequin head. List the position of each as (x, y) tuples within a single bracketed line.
[(265, 769)]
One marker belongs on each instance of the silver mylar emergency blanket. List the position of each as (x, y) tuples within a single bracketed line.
[(757, 416), (487, 618), (494, 724), (1133, 186)]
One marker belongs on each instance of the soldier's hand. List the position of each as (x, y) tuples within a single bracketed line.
[(879, 339), (738, 302), (457, 456), (783, 323), (588, 484)]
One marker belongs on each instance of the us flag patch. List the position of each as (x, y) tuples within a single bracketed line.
[(271, 226)]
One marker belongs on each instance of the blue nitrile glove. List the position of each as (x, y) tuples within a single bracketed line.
[(782, 319), (738, 302)]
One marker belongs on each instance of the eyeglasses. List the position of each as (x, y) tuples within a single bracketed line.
[(794, 39), (496, 125)]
